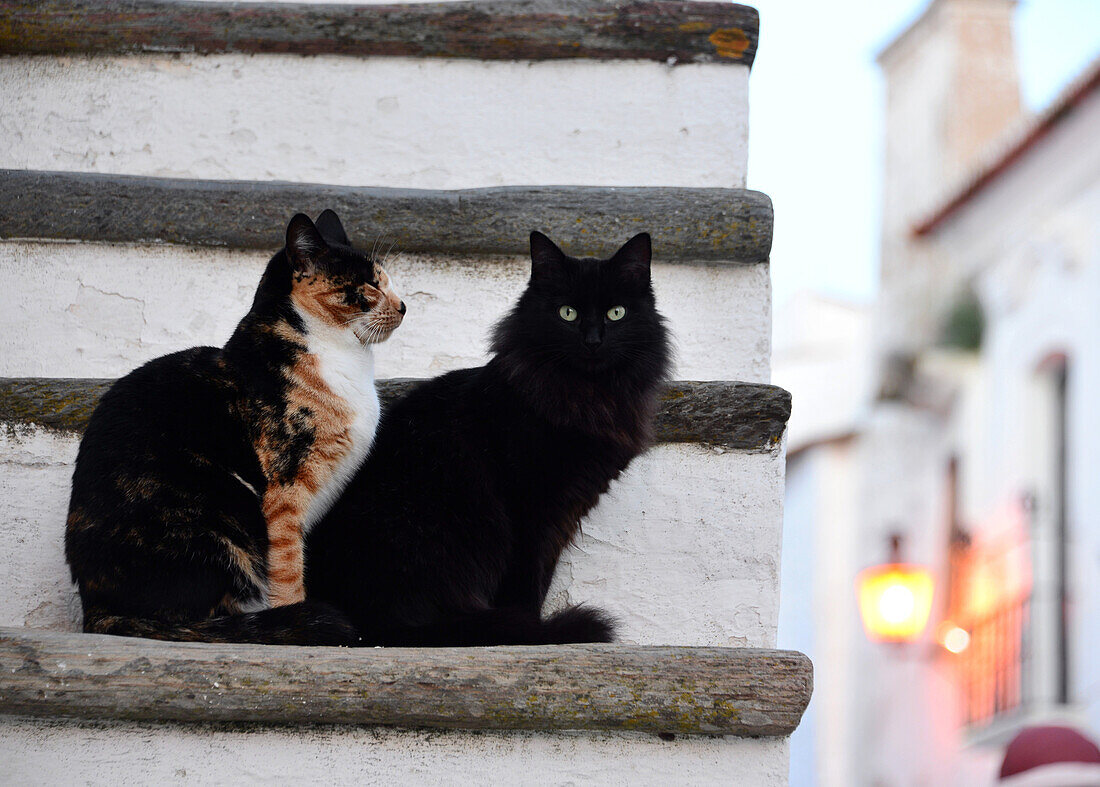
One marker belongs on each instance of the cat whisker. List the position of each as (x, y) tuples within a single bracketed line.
[(378, 239), (374, 331), (385, 261)]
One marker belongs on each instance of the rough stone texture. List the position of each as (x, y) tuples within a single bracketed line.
[(406, 123), (724, 225), (722, 414), (686, 691), (663, 30), (73, 752), (727, 415), (100, 310), (64, 404)]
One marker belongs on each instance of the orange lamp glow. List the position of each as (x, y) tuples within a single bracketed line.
[(895, 601)]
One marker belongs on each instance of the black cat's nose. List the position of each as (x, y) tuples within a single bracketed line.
[(402, 308), (593, 340)]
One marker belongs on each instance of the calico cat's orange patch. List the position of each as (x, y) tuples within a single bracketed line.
[(286, 501), (314, 428), (328, 301), (324, 299)]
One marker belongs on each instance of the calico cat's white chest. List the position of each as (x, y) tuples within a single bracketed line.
[(347, 368)]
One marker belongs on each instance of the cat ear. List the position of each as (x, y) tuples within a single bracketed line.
[(546, 257), (304, 243), (633, 259), (328, 224)]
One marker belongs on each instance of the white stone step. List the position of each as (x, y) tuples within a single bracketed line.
[(82, 752), (682, 694), (91, 309), (694, 524), (447, 95)]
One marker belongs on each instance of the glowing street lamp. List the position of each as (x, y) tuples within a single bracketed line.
[(895, 599)]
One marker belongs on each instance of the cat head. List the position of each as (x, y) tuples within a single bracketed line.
[(589, 316), (339, 286)]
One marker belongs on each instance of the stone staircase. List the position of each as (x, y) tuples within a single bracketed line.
[(152, 153)]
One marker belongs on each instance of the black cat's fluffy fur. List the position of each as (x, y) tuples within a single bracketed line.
[(450, 532)]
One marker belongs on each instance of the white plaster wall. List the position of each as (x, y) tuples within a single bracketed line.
[(822, 354), (818, 613), (683, 549), (427, 123), (36, 468), (62, 753), (1035, 202), (99, 310), (798, 628)]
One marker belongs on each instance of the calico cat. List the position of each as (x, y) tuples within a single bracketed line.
[(200, 472), (450, 532)]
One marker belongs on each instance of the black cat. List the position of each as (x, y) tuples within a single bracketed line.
[(450, 532)]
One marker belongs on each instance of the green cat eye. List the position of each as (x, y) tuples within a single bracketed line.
[(616, 313), (568, 313)]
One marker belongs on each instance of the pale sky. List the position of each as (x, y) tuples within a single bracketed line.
[(815, 122)]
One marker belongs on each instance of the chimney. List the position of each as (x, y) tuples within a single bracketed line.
[(952, 88)]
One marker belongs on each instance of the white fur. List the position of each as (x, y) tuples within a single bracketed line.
[(347, 366), (258, 604)]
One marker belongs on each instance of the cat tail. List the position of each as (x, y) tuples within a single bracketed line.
[(305, 623), (501, 626)]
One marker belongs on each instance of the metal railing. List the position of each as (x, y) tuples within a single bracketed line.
[(993, 667)]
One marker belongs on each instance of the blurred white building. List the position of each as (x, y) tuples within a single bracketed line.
[(821, 354), (976, 438)]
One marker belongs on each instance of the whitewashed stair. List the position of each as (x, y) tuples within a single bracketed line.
[(107, 263)]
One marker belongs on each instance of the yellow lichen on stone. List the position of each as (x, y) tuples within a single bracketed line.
[(730, 42)]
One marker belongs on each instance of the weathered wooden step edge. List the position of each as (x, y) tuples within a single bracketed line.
[(658, 689), (689, 224), (728, 415), (672, 31)]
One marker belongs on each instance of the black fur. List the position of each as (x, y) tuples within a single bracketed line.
[(450, 532), (165, 536)]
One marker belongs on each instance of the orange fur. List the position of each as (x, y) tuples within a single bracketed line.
[(286, 503)]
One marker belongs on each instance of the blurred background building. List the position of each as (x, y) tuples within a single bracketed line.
[(953, 425)]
